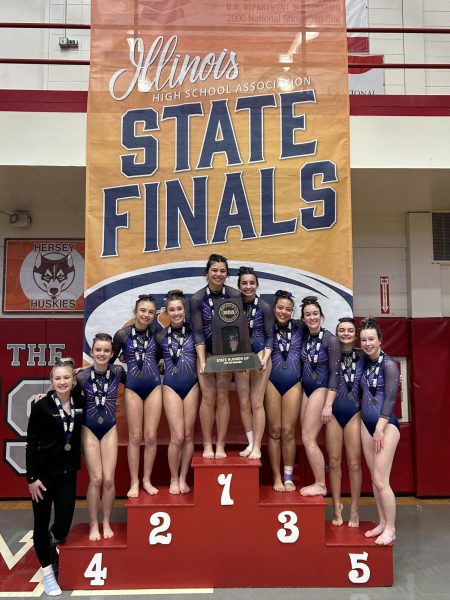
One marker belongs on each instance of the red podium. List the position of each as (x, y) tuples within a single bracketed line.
[(228, 532)]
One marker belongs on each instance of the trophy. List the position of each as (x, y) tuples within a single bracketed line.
[(231, 349)]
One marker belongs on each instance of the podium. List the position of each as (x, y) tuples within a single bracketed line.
[(227, 532)]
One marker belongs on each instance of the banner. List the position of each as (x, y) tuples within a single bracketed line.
[(43, 275), (216, 127)]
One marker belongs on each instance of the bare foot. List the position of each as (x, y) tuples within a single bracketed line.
[(316, 489), (133, 492), (378, 530), (94, 533), (278, 485), (256, 453), (149, 488), (386, 538), (289, 486), (108, 533), (353, 520), (338, 520), (220, 451), (174, 487), (246, 452), (184, 488), (208, 451)]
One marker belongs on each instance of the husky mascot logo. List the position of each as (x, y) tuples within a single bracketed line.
[(53, 272)]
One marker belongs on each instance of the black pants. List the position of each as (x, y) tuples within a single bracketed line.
[(61, 491)]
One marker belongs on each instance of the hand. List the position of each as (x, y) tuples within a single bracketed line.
[(201, 367), (36, 488), (378, 441), (122, 358), (38, 397), (326, 414), (263, 366)]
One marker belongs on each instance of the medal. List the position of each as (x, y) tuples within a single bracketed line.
[(313, 345), (350, 395), (284, 350), (139, 346), (374, 369), (251, 312), (100, 420), (180, 340), (348, 361), (284, 365), (67, 420)]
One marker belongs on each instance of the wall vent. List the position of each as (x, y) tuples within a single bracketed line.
[(441, 236)]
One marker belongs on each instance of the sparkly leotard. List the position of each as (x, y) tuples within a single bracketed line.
[(286, 366), (100, 419), (260, 324), (180, 373), (324, 372), (379, 400), (141, 378), (347, 402)]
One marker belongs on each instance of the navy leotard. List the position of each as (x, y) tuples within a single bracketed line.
[(347, 402), (185, 378), (261, 334), (324, 373), (285, 378), (108, 411), (142, 380), (201, 314), (379, 401)]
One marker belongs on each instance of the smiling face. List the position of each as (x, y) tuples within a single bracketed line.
[(144, 314), (62, 380), (176, 312), (101, 353), (283, 310), (370, 343), (312, 317), (346, 333), (216, 275), (248, 286)]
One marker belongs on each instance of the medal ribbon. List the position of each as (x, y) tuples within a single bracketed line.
[(100, 388), (314, 343), (251, 312), (139, 354), (67, 420), (284, 350), (374, 369), (349, 379), (170, 336), (210, 300)]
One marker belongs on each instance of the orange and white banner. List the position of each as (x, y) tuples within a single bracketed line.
[(217, 127)]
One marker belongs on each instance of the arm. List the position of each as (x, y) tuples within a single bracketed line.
[(118, 340), (196, 318), (35, 485), (268, 333), (334, 364), (391, 384)]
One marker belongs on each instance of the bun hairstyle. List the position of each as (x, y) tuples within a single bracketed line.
[(144, 298), (346, 320), (283, 294), (101, 337), (247, 271), (371, 323), (66, 362), (307, 301), (174, 295), (215, 258)]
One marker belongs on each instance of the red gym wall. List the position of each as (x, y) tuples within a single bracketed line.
[(421, 462)]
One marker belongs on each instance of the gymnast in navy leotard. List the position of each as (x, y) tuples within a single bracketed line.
[(180, 389), (345, 424), (321, 360), (251, 384), (283, 392), (136, 345), (214, 386), (380, 431), (100, 384)]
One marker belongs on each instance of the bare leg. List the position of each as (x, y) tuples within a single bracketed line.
[(134, 409), (190, 406), (108, 448), (207, 410), (173, 407), (334, 437), (290, 409), (273, 412), (242, 379), (91, 448), (258, 385), (311, 419), (222, 412), (152, 416), (352, 440)]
